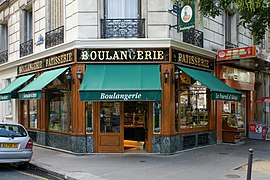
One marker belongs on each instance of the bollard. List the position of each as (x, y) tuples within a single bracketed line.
[(249, 168)]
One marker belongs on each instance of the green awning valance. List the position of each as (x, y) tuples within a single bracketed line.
[(9, 92), (34, 89), (116, 82), (219, 90)]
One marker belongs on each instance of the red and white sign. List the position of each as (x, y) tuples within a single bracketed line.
[(237, 53)]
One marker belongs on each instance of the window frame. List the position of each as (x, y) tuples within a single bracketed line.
[(139, 13)]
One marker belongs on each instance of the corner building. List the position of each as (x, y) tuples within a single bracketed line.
[(112, 76)]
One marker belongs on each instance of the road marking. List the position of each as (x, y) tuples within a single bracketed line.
[(32, 175)]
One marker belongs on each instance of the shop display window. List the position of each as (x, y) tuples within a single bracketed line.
[(59, 98), (110, 117), (30, 113), (33, 113), (89, 117), (157, 117), (191, 104), (233, 113)]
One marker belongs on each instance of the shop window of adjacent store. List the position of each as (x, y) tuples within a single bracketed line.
[(157, 117), (59, 102), (192, 104), (89, 117), (110, 117), (8, 103), (234, 113)]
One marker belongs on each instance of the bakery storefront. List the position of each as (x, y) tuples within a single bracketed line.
[(118, 100), (196, 95)]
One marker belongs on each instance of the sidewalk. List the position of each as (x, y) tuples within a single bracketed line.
[(217, 162)]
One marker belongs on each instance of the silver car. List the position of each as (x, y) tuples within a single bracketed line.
[(15, 144)]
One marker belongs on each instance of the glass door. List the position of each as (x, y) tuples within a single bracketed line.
[(110, 136)]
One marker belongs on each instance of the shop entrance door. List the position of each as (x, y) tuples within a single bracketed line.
[(136, 126), (110, 128)]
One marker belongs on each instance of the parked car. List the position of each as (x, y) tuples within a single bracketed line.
[(15, 144)]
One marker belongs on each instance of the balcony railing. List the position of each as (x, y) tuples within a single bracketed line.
[(54, 37), (229, 45), (194, 37), (122, 28), (3, 57), (26, 48)]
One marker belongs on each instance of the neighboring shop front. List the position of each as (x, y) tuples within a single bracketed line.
[(237, 68)]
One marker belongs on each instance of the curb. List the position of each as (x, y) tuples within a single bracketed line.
[(49, 172)]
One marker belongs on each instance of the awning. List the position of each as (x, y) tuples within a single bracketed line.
[(219, 90), (116, 82), (34, 89), (10, 91)]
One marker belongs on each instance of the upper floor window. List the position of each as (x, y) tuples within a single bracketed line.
[(119, 9), (27, 25), (55, 14), (26, 35), (3, 37), (55, 24), (230, 31), (3, 43), (122, 19)]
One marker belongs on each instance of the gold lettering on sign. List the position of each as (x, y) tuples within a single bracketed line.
[(30, 67), (119, 55), (60, 59), (193, 60)]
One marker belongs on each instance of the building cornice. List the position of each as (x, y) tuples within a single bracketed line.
[(111, 43)]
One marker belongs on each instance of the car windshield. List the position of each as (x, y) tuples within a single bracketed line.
[(8, 130)]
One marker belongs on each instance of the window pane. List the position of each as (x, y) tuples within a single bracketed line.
[(121, 9), (7, 104), (156, 117), (89, 117), (110, 117), (131, 9), (193, 106), (59, 105), (33, 113)]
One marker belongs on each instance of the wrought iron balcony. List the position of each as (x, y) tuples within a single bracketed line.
[(3, 57), (194, 37), (122, 28), (54, 37), (26, 48), (229, 45)]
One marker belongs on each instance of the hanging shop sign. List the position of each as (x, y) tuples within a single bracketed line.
[(237, 53), (87, 55), (192, 60), (186, 17), (51, 61)]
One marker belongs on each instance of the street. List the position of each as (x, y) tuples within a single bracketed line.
[(8, 172), (217, 162)]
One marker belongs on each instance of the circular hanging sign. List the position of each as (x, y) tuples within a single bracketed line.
[(186, 13)]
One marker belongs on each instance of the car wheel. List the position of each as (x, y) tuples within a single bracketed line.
[(23, 165)]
